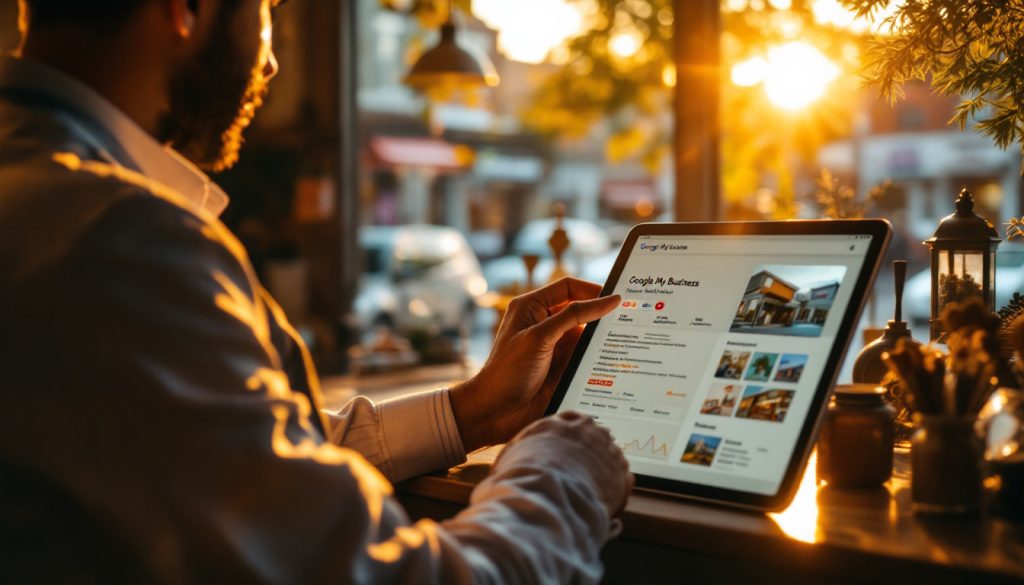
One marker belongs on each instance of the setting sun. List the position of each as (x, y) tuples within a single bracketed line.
[(797, 74), (794, 75)]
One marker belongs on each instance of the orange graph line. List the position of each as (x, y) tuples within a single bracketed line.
[(647, 447)]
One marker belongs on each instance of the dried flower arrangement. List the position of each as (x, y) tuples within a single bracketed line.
[(954, 289), (924, 380), (1015, 229)]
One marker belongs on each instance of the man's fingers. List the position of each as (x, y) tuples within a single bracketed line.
[(565, 289), (575, 314)]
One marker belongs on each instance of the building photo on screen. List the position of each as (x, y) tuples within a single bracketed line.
[(770, 404), (788, 300), (732, 364), (701, 449), (721, 399), (791, 367)]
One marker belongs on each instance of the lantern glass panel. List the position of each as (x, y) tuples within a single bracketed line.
[(992, 280), (961, 275)]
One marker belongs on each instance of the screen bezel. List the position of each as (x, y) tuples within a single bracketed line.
[(880, 231)]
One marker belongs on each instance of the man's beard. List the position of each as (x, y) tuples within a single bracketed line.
[(213, 99)]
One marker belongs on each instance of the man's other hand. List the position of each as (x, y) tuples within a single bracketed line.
[(532, 347), (603, 459)]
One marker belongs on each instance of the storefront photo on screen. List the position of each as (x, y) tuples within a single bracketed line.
[(701, 449), (721, 399), (732, 364), (791, 368), (788, 300), (763, 403)]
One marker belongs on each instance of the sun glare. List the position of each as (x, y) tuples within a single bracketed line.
[(668, 75), (750, 72), (832, 12), (625, 43), (800, 520), (797, 74), (529, 29)]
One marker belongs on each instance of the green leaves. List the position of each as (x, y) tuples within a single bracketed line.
[(838, 201), (972, 50)]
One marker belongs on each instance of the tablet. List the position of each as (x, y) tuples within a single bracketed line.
[(714, 371)]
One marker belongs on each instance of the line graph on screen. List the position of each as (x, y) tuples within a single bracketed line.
[(642, 438), (649, 447)]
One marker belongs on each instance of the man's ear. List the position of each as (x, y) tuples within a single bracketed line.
[(183, 16)]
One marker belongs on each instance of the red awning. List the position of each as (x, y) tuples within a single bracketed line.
[(626, 194), (432, 153)]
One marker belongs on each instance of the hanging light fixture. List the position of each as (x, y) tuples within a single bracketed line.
[(449, 65)]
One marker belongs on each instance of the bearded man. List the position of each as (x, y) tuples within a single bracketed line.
[(160, 418)]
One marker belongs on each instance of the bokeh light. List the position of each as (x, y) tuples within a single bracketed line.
[(529, 29), (625, 42), (750, 72), (797, 75)]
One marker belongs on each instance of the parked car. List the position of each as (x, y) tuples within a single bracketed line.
[(586, 242), (1009, 279), (417, 276)]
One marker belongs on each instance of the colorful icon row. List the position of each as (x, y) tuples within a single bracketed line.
[(643, 305)]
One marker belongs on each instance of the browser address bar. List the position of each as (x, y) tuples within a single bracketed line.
[(655, 248)]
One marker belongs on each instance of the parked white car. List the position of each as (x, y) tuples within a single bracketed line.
[(917, 296), (417, 276)]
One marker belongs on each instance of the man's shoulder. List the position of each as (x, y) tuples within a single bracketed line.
[(58, 204), (54, 159)]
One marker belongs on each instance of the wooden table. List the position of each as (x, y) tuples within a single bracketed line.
[(827, 535)]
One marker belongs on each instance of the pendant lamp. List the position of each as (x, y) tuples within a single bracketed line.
[(449, 65)]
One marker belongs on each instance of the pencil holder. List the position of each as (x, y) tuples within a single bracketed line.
[(945, 465)]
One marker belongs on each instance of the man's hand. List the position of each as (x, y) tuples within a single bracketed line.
[(533, 345), (605, 463)]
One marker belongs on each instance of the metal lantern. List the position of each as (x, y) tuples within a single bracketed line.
[(963, 251)]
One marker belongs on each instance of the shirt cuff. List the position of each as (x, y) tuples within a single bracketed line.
[(420, 434)]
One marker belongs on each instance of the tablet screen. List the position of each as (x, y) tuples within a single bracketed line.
[(706, 371)]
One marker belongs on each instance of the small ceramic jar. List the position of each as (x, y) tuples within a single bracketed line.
[(856, 441), (945, 465)]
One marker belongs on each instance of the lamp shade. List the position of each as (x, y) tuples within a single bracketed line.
[(449, 65)]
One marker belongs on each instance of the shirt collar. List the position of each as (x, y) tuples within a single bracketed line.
[(158, 163)]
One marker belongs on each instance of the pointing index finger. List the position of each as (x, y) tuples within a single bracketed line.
[(565, 290), (574, 315)]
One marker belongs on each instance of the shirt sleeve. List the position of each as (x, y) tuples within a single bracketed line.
[(171, 422), (403, 437)]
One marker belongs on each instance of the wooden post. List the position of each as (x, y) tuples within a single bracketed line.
[(698, 75), (329, 61), (350, 258)]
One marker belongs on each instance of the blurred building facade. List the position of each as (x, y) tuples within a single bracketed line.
[(928, 161), (470, 164)]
